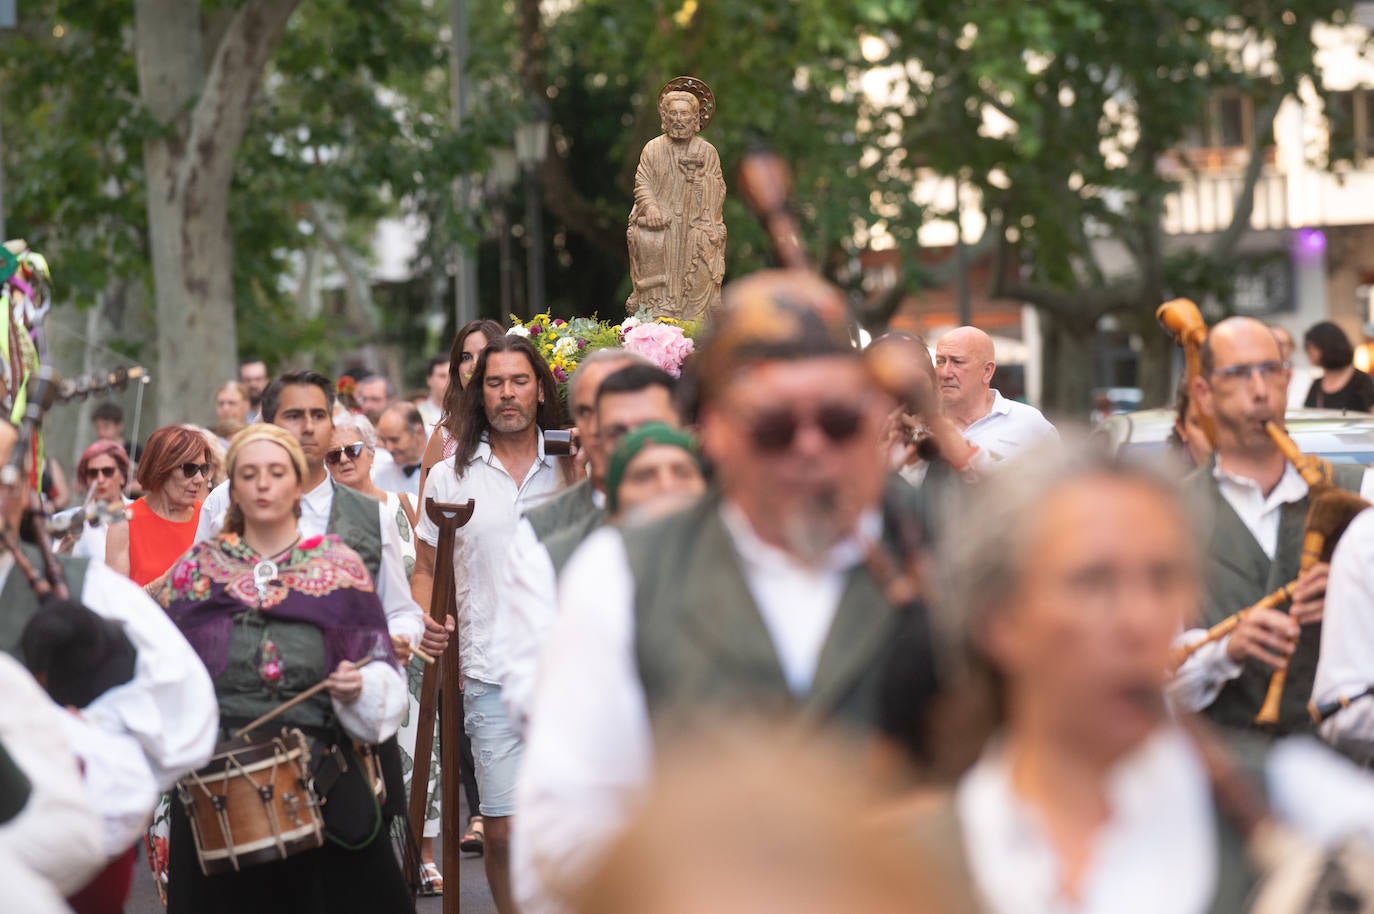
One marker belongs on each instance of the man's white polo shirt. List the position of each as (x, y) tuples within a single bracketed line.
[(1008, 428)]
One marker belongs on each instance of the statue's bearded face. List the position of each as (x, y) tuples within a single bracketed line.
[(680, 119)]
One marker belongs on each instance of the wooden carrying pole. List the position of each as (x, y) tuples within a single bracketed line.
[(448, 518)]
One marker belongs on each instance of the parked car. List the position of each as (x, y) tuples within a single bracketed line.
[(1339, 436)]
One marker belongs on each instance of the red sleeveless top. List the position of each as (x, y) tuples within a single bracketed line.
[(154, 543)]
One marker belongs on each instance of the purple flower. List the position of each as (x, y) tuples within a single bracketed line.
[(536, 330), (559, 373), (581, 344)]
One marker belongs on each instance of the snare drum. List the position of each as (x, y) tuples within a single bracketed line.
[(253, 803)]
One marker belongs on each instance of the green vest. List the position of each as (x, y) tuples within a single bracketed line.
[(700, 642), (19, 604), (573, 508), (561, 544), (1237, 574), (240, 690), (356, 519)]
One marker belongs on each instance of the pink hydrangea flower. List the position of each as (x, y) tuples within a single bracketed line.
[(663, 344)]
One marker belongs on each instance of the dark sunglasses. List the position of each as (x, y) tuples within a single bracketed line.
[(773, 431), (189, 470), (104, 472), (336, 456)]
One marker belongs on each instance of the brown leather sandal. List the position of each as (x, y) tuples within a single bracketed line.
[(474, 839)]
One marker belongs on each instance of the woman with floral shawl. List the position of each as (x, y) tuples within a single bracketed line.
[(271, 616)]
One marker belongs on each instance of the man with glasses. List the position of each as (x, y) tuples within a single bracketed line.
[(401, 433), (302, 402), (1259, 503), (998, 427), (756, 599)]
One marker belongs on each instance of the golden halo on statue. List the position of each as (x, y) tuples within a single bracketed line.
[(698, 88)]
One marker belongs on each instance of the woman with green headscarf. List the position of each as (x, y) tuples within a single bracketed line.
[(652, 462)]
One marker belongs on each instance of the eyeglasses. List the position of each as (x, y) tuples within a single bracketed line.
[(774, 431), (1272, 370), (103, 472), (336, 456), (189, 470)]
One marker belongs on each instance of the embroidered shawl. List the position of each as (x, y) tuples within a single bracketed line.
[(320, 581)]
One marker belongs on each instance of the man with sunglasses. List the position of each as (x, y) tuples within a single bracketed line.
[(757, 599), (1259, 503)]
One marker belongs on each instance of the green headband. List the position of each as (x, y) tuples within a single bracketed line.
[(636, 441)]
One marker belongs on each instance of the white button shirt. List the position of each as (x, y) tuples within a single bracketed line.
[(481, 548), (1345, 666), (529, 590), (393, 478), (57, 833), (1158, 849), (403, 615), (1198, 682), (589, 746), (138, 738), (1008, 429)]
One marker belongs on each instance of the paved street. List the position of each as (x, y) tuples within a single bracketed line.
[(476, 899)]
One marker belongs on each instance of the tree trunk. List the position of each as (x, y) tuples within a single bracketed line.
[(1068, 379), (1155, 373), (189, 167)]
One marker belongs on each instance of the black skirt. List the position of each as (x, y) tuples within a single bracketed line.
[(327, 880)]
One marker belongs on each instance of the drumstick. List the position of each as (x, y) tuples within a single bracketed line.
[(285, 706), (404, 648)]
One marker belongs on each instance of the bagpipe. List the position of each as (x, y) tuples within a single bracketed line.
[(71, 650)]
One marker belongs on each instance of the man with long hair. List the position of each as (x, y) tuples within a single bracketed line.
[(501, 464)]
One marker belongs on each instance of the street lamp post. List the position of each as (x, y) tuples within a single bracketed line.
[(500, 179), (531, 147)]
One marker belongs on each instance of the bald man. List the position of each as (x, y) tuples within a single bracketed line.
[(1258, 503), (998, 427)]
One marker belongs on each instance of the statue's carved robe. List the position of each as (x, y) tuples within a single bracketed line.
[(677, 270)]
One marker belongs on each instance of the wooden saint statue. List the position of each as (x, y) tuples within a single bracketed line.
[(676, 232)]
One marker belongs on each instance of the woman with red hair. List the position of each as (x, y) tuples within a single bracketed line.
[(174, 471), (101, 473)]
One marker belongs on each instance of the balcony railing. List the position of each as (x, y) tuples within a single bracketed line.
[(1206, 202)]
